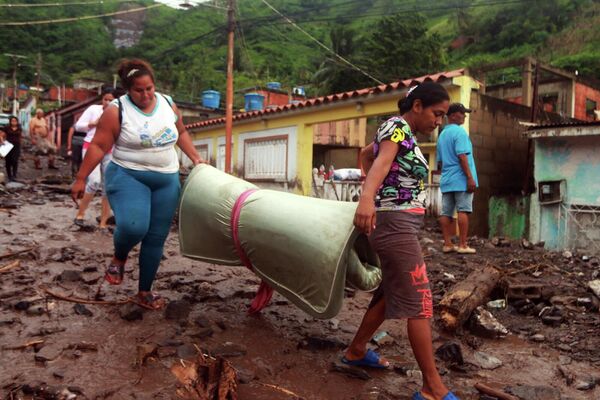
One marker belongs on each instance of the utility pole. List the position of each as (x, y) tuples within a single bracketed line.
[(229, 93), (15, 58), (38, 68)]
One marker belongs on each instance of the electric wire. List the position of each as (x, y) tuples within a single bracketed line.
[(61, 4), (314, 39), (82, 18)]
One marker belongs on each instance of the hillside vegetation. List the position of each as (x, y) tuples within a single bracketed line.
[(379, 40)]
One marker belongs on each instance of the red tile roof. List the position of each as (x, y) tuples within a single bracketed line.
[(441, 76)]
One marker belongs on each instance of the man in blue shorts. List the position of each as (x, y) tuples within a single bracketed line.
[(459, 179)]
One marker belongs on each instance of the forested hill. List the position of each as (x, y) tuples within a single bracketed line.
[(384, 39)]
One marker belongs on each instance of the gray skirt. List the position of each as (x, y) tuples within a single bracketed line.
[(404, 285)]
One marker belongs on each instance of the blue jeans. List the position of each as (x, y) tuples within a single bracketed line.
[(144, 203), (461, 201)]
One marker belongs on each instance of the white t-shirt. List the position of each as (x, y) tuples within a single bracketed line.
[(91, 114), (147, 140)]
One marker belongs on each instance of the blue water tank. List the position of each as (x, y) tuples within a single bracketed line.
[(299, 91), (253, 101), (211, 99), (274, 85)]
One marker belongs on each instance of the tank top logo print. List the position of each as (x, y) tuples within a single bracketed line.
[(163, 137)]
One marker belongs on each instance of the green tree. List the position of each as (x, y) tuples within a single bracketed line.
[(334, 75), (399, 47)]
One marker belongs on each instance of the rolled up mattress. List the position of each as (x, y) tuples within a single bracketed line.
[(306, 249)]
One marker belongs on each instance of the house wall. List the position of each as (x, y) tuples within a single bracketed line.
[(564, 90), (582, 93), (575, 161), (305, 122), (500, 153)]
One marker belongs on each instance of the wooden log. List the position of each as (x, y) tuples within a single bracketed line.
[(458, 303), (494, 392), (10, 266)]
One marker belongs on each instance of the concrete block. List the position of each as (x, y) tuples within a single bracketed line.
[(477, 140), (489, 142)]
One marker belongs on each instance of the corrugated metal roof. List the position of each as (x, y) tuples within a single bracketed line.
[(569, 124), (332, 98)]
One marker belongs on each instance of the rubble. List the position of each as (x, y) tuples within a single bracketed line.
[(348, 370), (486, 361), (281, 347), (451, 353), (595, 287), (483, 323)]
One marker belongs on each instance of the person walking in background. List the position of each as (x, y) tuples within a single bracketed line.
[(13, 133), (41, 140), (75, 149), (142, 180), (95, 181), (391, 210), (458, 181)]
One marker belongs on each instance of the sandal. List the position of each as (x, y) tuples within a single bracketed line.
[(371, 360), (114, 274), (421, 396), (150, 300), (79, 221)]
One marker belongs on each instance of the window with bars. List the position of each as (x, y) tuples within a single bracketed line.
[(202, 151), (266, 158)]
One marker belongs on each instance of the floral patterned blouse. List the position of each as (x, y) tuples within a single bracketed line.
[(403, 188)]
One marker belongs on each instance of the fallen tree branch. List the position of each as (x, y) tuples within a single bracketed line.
[(536, 266), (10, 266), (494, 392), (23, 346), (16, 253), (280, 389), (85, 301)]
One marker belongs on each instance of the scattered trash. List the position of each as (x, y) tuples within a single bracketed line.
[(383, 338), (534, 392), (80, 309), (349, 370), (538, 338), (178, 310), (483, 323), (526, 244), (206, 378), (499, 304), (486, 361), (595, 287), (451, 353), (567, 254), (314, 343)]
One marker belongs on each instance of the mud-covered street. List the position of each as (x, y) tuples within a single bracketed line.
[(52, 347)]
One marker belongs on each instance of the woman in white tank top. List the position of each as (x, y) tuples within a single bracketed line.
[(142, 181)]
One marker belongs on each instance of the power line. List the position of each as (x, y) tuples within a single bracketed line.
[(82, 18), (408, 8), (62, 4), (314, 39)]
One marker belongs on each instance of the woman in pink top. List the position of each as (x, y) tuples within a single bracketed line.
[(95, 181)]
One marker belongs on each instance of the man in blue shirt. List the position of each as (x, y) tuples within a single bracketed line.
[(459, 179)]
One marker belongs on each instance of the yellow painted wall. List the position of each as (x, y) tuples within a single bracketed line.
[(459, 91)]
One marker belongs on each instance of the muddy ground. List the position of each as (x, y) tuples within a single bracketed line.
[(119, 351)]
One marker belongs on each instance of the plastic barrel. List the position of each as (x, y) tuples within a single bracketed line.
[(253, 101), (211, 99), (274, 85)]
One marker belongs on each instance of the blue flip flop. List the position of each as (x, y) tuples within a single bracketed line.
[(448, 396), (371, 360)]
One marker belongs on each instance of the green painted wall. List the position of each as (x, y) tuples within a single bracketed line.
[(508, 216)]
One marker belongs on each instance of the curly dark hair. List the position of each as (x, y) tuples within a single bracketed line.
[(134, 68)]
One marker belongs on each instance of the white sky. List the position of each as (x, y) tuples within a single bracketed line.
[(176, 3)]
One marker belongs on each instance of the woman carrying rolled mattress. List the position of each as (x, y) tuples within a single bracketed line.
[(391, 210)]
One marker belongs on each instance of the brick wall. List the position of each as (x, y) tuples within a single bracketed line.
[(500, 153)]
